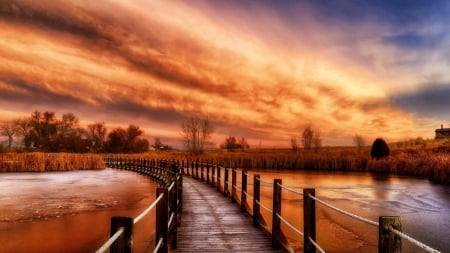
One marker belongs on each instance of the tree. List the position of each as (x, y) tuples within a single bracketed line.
[(127, 140), (195, 134), (24, 129), (9, 130), (380, 149), (294, 143), (96, 136), (158, 145), (317, 140), (243, 144), (311, 138), (359, 141), (230, 143)]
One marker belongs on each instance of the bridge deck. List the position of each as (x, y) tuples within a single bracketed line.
[(211, 223)]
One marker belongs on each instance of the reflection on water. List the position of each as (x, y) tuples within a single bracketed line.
[(423, 207), (70, 211)]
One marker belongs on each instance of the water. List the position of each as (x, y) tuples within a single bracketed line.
[(71, 211), (424, 208)]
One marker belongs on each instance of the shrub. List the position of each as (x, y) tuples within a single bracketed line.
[(379, 149)]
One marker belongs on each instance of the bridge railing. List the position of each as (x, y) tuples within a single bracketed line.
[(390, 233), (168, 204)]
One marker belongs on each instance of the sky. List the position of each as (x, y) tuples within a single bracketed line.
[(263, 70)]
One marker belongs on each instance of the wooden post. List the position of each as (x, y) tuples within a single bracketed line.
[(309, 220), (207, 173), (162, 218), (174, 200), (244, 190), (124, 244), (256, 198), (213, 173), (233, 184), (225, 187), (202, 177), (389, 242), (196, 170), (276, 223), (218, 177)]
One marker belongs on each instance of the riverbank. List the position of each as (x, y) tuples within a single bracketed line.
[(40, 162), (431, 163)]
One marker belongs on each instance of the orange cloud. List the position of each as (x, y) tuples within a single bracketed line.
[(157, 63)]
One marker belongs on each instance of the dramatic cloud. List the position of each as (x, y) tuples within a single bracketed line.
[(262, 70)]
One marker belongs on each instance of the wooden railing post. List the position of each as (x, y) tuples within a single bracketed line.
[(213, 173), (174, 204), (309, 220), (124, 244), (218, 177), (276, 223), (244, 190), (207, 173), (389, 242), (162, 217), (196, 170), (225, 187), (233, 184), (256, 197), (202, 177)]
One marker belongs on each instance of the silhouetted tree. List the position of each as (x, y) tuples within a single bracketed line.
[(243, 144), (294, 143), (9, 130), (127, 140), (379, 149), (311, 138), (97, 136), (359, 141), (196, 133)]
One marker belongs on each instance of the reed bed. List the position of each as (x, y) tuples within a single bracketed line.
[(40, 162), (433, 164)]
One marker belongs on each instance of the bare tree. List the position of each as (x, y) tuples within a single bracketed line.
[(97, 136), (307, 137), (317, 140), (359, 141), (311, 138), (244, 144), (196, 133), (294, 143), (8, 129)]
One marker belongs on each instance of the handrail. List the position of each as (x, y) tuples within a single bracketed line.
[(413, 241), (352, 215), (146, 211), (307, 195), (167, 173), (111, 240)]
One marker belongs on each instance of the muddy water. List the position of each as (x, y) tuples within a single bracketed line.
[(423, 207), (71, 211)]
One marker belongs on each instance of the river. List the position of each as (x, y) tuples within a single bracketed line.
[(424, 208), (71, 211)]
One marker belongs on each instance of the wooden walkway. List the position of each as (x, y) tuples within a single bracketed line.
[(212, 223)]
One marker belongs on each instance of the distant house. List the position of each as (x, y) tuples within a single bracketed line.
[(442, 132)]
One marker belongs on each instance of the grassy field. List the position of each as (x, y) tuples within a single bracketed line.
[(39, 162)]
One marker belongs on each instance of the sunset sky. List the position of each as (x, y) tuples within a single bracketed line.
[(262, 69)]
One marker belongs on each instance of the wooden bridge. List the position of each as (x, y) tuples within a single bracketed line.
[(212, 223), (193, 216)]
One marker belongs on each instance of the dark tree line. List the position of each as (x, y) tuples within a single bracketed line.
[(45, 132)]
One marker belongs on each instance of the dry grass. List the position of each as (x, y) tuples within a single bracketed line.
[(39, 162), (431, 161)]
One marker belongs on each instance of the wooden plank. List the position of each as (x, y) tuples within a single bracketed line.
[(211, 223)]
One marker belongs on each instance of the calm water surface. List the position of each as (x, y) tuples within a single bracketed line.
[(71, 211), (424, 208)]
